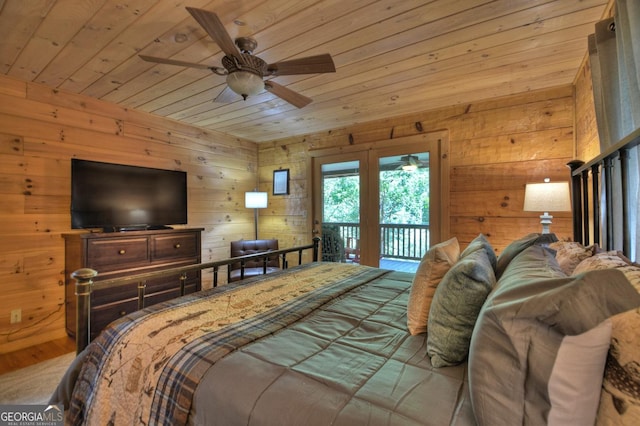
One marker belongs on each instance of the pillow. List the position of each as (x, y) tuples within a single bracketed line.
[(612, 259), (533, 263), (575, 384), (481, 242), (619, 399), (435, 263), (455, 307), (570, 254), (520, 356), (512, 250)]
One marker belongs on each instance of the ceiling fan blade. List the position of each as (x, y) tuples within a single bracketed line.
[(227, 95), (309, 65), (294, 98), (213, 26), (174, 62)]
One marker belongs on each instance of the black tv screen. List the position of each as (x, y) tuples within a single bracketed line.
[(117, 197)]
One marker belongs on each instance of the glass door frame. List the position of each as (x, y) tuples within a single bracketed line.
[(433, 148), (368, 154), (317, 202)]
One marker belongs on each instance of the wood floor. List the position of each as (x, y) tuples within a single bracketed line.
[(25, 357)]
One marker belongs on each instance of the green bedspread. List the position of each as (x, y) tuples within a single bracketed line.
[(145, 367)]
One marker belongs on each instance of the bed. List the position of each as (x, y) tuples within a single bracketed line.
[(496, 340), (332, 334), (328, 343)]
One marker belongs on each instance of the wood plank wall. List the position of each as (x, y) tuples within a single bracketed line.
[(40, 131), (496, 147)]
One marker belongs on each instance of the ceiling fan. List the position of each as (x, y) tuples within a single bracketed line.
[(410, 163), (245, 72)]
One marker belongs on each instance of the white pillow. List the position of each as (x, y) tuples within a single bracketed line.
[(576, 378)]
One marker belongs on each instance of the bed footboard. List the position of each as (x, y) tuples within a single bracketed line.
[(85, 285)]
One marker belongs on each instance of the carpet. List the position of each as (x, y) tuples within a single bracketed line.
[(34, 384)]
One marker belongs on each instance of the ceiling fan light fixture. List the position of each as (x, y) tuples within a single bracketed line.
[(245, 72), (410, 167), (245, 83)]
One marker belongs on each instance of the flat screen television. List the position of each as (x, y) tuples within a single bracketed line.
[(118, 197)]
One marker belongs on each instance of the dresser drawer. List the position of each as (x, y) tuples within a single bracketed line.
[(101, 316), (117, 253), (164, 247), (105, 296)]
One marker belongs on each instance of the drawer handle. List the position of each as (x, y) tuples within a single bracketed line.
[(122, 251), (123, 313), (177, 246)]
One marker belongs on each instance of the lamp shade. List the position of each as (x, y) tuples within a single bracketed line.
[(255, 200), (547, 197)]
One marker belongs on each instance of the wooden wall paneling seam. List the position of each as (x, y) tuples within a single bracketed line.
[(558, 143), (40, 93), (505, 176), (59, 115), (68, 131)]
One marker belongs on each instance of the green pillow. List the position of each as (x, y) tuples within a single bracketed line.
[(481, 242), (455, 307), (512, 250)]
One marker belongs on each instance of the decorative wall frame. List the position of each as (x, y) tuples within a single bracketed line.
[(281, 182)]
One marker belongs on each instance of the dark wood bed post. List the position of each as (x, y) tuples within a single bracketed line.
[(84, 283), (576, 199)]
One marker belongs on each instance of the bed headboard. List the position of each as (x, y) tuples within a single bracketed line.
[(605, 197)]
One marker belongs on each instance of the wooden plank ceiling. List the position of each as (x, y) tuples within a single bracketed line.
[(393, 57)]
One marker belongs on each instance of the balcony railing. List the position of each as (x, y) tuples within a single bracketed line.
[(397, 241)]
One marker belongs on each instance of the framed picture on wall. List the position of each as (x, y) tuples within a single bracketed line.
[(281, 182)]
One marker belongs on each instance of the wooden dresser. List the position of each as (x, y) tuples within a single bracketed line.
[(126, 253)]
